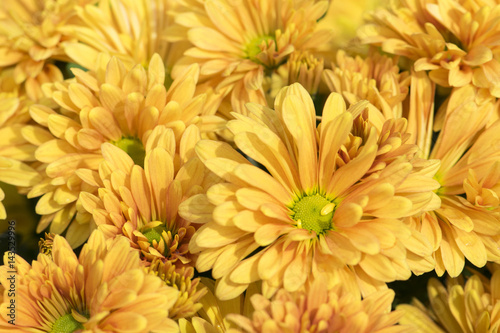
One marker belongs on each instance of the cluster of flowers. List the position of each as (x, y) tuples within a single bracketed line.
[(300, 155)]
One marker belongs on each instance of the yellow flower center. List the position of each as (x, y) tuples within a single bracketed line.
[(133, 147), (314, 213), (253, 49), (66, 324)]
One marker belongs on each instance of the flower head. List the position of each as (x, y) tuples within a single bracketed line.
[(463, 304), (318, 311), (31, 40), (133, 31), (237, 43), (376, 79), (466, 224), (454, 40), (116, 104), (104, 289), (330, 204), (142, 203)]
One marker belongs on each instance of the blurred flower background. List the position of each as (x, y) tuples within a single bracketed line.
[(250, 166)]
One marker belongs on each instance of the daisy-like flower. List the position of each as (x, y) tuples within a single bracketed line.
[(454, 40), (142, 203), (331, 204), (131, 30), (238, 43), (105, 289), (467, 223), (465, 304), (116, 104), (376, 78), (318, 311), (15, 151), (31, 40)]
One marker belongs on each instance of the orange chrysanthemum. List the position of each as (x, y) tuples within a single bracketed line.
[(142, 203), (330, 205), (105, 289), (116, 104), (237, 43), (318, 311), (455, 40)]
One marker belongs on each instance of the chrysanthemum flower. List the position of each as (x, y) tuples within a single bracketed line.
[(105, 289), (317, 310), (142, 203), (15, 151), (467, 223), (331, 204), (376, 78), (31, 39), (116, 104), (238, 43), (131, 30), (455, 40), (463, 305)]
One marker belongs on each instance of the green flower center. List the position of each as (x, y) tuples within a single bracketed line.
[(133, 147), (154, 233), (66, 324), (314, 213), (252, 49)]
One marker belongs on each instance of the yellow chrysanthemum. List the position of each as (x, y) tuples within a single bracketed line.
[(454, 40), (131, 30), (142, 203), (330, 205), (376, 79), (467, 223), (105, 289), (237, 43), (31, 40), (464, 305), (317, 310), (15, 151), (116, 104)]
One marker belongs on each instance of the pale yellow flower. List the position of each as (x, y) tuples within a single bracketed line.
[(142, 203), (238, 43), (117, 104), (105, 289), (319, 310), (31, 40), (330, 204), (464, 305), (467, 224), (454, 40), (131, 30), (376, 78)]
